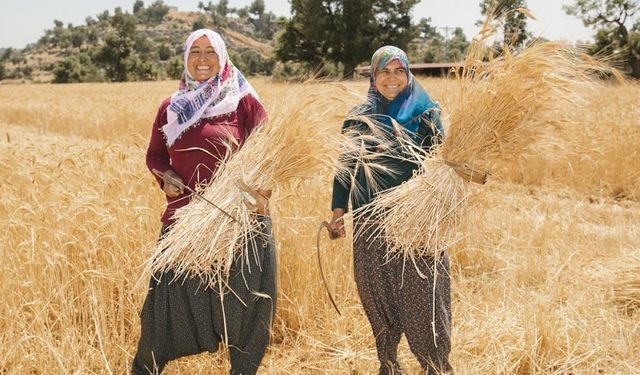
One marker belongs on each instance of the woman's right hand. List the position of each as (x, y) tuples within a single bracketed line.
[(336, 225), (172, 184)]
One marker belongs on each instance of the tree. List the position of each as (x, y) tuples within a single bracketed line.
[(2, 71), (515, 22), (138, 6), (257, 8), (75, 68), (611, 19), (115, 55), (433, 47), (174, 67), (155, 12), (343, 32)]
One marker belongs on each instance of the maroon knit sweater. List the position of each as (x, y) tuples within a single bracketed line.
[(196, 154)]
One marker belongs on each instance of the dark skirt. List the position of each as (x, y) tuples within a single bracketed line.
[(183, 317), (397, 299)]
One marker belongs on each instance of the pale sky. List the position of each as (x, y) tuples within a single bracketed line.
[(24, 21)]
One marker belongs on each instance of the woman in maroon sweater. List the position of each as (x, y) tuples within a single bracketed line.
[(215, 104)]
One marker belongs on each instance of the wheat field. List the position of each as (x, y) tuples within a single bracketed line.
[(546, 278)]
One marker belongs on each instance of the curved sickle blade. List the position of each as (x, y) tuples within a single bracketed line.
[(324, 224)]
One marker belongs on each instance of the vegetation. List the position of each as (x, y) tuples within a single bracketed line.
[(618, 29), (514, 29), (343, 32), (321, 38)]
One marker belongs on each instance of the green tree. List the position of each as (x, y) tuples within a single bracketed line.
[(434, 48), (612, 19), (2, 71), (343, 32), (116, 53), (197, 25), (138, 6), (75, 68), (154, 13), (515, 23), (257, 8), (174, 67)]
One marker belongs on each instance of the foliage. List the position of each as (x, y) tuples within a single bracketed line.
[(251, 62), (75, 68), (614, 35), (515, 23), (343, 32), (433, 47), (174, 67), (154, 13)]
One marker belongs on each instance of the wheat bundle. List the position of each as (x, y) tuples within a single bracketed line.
[(626, 288), (503, 107), (295, 144)]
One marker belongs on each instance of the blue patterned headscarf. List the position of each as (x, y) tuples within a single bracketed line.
[(410, 104)]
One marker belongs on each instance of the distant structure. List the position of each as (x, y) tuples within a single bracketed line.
[(173, 9), (423, 69)]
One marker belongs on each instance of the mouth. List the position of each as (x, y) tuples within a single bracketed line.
[(202, 68), (391, 87)]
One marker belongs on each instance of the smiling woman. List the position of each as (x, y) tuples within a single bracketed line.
[(211, 115), (397, 298), (202, 60)]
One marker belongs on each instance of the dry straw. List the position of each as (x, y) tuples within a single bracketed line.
[(505, 104), (295, 144), (626, 287)]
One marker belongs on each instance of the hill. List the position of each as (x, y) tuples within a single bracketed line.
[(144, 45)]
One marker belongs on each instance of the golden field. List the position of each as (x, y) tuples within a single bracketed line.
[(546, 278)]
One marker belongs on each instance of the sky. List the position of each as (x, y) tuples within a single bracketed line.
[(24, 21)]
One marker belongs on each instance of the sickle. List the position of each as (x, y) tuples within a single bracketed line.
[(324, 224), (197, 194)]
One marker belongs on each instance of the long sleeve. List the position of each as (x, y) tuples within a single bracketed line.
[(251, 114), (157, 153), (342, 186)]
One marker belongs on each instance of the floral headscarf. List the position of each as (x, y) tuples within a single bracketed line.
[(217, 96)]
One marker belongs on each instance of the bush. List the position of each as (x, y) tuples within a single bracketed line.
[(75, 68), (289, 71), (174, 67), (251, 62)]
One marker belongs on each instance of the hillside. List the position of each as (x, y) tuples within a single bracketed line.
[(155, 44)]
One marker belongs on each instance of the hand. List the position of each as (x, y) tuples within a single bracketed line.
[(256, 199), (172, 184), (336, 225)]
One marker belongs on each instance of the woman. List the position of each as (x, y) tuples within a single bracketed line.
[(396, 297), (188, 140)]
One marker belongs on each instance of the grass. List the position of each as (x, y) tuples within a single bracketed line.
[(539, 281)]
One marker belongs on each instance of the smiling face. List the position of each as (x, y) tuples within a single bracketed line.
[(391, 80), (202, 61)]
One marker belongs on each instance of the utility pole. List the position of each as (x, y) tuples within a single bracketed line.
[(446, 31), (446, 35)]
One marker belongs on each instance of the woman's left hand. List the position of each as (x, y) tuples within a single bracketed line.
[(257, 199)]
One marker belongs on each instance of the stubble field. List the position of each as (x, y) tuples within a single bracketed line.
[(546, 278)]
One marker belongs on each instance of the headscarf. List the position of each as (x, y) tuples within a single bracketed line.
[(409, 105), (217, 96)]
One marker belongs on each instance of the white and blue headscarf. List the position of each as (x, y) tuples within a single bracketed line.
[(410, 104), (217, 96)]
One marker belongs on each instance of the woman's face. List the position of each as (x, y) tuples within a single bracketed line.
[(202, 61), (391, 80)]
